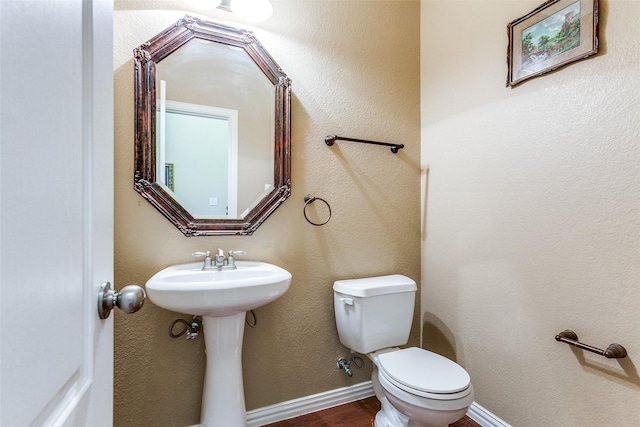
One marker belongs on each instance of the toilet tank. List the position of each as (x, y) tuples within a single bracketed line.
[(375, 312)]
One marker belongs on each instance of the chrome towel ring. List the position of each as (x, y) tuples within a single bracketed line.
[(310, 199)]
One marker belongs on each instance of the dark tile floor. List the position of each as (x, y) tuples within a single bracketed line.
[(355, 414)]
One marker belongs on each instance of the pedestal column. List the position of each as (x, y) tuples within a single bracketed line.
[(223, 396)]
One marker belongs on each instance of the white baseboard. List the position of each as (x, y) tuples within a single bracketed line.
[(305, 405), (483, 417), (329, 399)]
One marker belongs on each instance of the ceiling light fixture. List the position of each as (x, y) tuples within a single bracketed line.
[(249, 10), (252, 10), (203, 4)]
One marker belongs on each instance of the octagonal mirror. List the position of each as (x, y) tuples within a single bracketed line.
[(213, 119)]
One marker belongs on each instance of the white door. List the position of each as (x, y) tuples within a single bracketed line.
[(56, 212)]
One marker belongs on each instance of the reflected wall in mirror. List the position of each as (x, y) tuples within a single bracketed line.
[(212, 150)]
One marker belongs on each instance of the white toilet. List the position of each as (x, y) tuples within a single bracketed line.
[(415, 387)]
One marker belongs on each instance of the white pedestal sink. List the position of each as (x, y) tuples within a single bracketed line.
[(222, 298)]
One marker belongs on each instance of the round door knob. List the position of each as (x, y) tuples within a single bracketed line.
[(129, 300)]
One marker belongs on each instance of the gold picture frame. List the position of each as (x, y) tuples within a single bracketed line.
[(557, 33)]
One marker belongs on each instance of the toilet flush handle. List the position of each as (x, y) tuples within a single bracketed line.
[(347, 301)]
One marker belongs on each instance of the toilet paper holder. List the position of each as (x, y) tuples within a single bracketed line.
[(614, 351)]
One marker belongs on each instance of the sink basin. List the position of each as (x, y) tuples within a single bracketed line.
[(186, 288)]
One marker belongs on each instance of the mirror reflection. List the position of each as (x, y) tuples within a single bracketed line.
[(213, 119), (214, 130)]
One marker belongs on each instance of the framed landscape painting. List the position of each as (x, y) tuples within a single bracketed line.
[(556, 34)]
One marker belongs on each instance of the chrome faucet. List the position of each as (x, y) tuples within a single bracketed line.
[(219, 262)]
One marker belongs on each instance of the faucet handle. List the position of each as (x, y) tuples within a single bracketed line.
[(204, 254), (231, 260), (207, 258)]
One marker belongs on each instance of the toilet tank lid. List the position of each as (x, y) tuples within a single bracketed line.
[(371, 286)]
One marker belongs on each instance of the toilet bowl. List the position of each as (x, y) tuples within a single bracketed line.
[(416, 388), (422, 388)]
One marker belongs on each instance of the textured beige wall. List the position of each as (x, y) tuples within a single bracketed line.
[(533, 216), (355, 72)]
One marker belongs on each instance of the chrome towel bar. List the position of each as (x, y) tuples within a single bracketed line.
[(614, 351)]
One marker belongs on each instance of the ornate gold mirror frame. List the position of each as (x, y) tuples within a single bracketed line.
[(146, 58)]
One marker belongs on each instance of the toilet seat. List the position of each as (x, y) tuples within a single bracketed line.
[(423, 373)]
